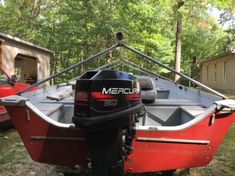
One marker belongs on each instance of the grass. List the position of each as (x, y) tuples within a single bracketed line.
[(15, 161), (230, 95), (12, 153)]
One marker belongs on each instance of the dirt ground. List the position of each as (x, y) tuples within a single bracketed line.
[(15, 161)]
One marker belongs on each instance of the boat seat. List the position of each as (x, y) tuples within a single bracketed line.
[(168, 115), (148, 121), (162, 93), (194, 110), (59, 95), (163, 115), (67, 100), (148, 91), (173, 102), (148, 96), (48, 108)]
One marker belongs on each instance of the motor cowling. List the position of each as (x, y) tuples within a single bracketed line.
[(105, 96), (107, 104)]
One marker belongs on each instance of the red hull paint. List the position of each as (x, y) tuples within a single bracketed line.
[(53, 151), (146, 156), (149, 156), (5, 121), (3, 114)]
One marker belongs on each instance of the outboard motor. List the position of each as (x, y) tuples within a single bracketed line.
[(107, 104)]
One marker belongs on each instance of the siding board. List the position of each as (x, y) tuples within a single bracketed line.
[(225, 79)]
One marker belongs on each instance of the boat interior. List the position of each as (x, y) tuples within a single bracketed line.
[(166, 103)]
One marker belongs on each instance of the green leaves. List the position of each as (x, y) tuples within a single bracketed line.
[(78, 29)]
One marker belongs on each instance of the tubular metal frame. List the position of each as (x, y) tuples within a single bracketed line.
[(121, 44)]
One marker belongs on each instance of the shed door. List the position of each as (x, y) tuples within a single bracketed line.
[(26, 69)]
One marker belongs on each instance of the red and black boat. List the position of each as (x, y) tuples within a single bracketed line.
[(117, 123)]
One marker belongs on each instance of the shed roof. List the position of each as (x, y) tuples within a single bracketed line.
[(4, 37), (220, 56)]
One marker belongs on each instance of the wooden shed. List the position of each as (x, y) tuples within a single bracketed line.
[(219, 72), (29, 62)]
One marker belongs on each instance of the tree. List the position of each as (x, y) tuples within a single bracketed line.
[(78, 29), (178, 39)]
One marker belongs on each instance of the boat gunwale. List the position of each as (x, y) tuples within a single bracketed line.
[(47, 118)]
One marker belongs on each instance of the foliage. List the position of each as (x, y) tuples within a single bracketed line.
[(78, 29)]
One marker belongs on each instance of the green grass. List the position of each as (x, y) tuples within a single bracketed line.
[(15, 161), (12, 152), (230, 95)]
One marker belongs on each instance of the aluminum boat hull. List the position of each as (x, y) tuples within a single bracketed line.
[(152, 150)]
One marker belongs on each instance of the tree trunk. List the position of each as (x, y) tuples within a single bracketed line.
[(178, 39)]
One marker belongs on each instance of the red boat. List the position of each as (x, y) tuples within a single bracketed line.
[(8, 86), (175, 127)]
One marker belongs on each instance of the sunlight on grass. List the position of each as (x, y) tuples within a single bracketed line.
[(230, 95)]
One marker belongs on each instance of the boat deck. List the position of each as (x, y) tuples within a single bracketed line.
[(162, 112)]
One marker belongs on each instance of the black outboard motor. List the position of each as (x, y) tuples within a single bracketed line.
[(107, 104)]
